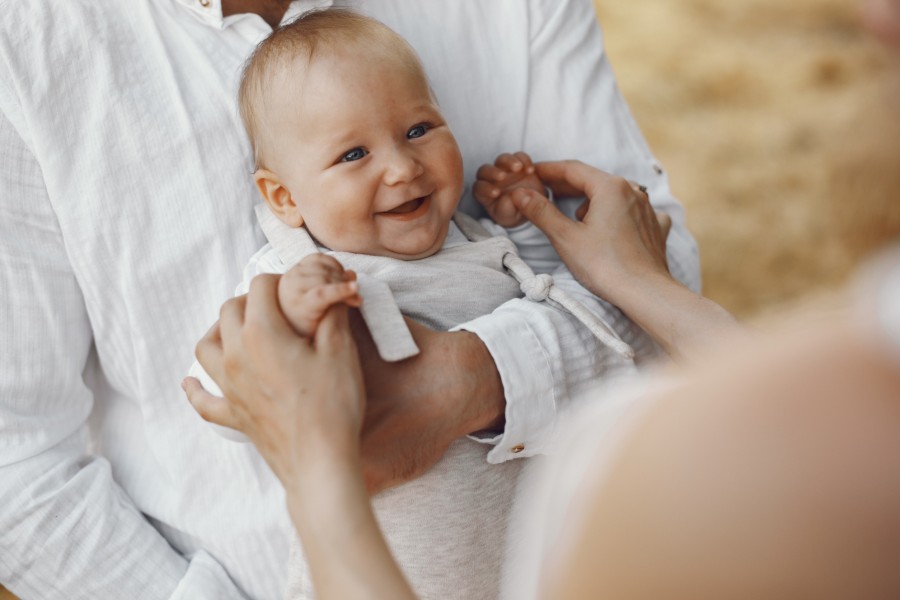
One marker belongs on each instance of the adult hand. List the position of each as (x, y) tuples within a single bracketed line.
[(301, 402), (618, 237), (298, 400), (417, 407), (617, 250)]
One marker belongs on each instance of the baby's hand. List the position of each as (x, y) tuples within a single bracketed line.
[(495, 182), (310, 288)]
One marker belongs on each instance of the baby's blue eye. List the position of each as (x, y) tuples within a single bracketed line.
[(417, 132), (355, 154)]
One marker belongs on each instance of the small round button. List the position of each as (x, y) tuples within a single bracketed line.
[(205, 3), (517, 448)]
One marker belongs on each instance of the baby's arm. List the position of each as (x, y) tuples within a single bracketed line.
[(306, 292), (494, 184)]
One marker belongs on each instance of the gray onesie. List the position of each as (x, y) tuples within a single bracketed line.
[(447, 528)]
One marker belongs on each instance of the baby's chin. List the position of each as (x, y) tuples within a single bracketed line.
[(414, 253), (420, 244), (397, 252)]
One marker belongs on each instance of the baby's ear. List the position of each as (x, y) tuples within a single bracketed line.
[(278, 197)]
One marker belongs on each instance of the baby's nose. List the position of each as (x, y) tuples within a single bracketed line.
[(402, 167)]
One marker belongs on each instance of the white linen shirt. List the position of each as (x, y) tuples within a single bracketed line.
[(125, 217)]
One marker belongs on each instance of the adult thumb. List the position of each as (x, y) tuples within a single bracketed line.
[(538, 209), (214, 409), (333, 335), (665, 223)]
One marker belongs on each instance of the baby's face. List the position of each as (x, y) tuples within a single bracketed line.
[(366, 156)]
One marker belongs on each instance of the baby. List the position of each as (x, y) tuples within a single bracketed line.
[(361, 177)]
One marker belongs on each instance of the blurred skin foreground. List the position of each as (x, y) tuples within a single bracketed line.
[(769, 471), (772, 473)]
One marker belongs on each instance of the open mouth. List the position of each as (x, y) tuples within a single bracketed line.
[(408, 210)]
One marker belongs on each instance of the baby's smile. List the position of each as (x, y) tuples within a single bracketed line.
[(382, 176), (409, 210)]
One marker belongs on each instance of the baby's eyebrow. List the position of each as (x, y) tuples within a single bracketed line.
[(343, 137)]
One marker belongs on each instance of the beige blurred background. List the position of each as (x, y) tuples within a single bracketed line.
[(775, 121)]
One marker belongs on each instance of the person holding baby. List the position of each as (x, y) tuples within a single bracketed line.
[(362, 197), (768, 470), (365, 192), (127, 217)]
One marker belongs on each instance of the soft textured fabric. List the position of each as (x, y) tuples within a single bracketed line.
[(447, 528), (445, 275), (125, 217)]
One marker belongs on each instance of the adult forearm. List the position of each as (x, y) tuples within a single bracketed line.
[(477, 387), (347, 553), (681, 321), (416, 408)]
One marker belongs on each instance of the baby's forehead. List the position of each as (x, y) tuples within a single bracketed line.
[(342, 71), (343, 57)]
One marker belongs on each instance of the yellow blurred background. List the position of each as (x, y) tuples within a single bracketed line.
[(776, 123)]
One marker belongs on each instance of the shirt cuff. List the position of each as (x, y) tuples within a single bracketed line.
[(206, 579), (527, 377)]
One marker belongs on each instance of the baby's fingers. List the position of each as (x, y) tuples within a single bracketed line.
[(486, 193), (525, 159), (513, 163), (321, 298), (491, 174), (320, 267)]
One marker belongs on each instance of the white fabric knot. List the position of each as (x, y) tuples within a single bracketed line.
[(537, 288)]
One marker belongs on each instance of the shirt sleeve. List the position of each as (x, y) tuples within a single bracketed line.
[(67, 530), (575, 110)]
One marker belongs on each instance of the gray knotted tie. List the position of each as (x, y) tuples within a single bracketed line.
[(538, 288)]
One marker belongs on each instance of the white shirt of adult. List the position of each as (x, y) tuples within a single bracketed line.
[(125, 217)]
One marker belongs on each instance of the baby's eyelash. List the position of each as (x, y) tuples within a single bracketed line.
[(425, 127), (353, 155)]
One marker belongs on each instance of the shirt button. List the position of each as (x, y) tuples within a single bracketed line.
[(205, 3), (517, 448)]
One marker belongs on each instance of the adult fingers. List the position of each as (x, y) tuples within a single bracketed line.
[(212, 408), (333, 337), (210, 354), (263, 312), (665, 223), (582, 211), (231, 320), (543, 213), (569, 178)]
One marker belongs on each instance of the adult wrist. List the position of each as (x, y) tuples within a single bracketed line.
[(315, 458), (480, 386)]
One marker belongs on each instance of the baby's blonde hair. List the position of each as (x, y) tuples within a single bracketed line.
[(305, 37)]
